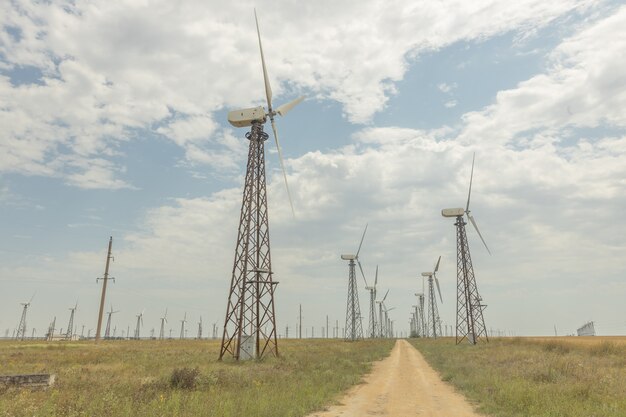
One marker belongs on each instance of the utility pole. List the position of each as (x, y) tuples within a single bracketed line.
[(327, 326), (300, 328), (105, 279)]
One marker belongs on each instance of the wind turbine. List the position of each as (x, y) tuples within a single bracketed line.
[(21, 328), (417, 325), (51, 329), (371, 329), (389, 322), (420, 312), (200, 328), (163, 321), (182, 326), (434, 325), (250, 307), (354, 326), (139, 324), (107, 330), (470, 323), (381, 322), (70, 325)]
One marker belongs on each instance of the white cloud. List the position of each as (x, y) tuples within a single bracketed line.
[(446, 88), (108, 67), (584, 87), (450, 104)]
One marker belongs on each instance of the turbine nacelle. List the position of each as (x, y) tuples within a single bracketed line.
[(453, 212), (427, 274), (245, 117), (348, 257)]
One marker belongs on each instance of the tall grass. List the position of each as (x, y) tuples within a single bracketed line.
[(182, 378), (523, 378)]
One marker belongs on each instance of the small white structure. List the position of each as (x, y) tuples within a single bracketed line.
[(248, 347), (586, 330)]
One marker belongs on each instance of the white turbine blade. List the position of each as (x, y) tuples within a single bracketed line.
[(361, 268), (376, 279), (286, 108), (268, 88), (470, 187), (437, 266), (282, 166), (385, 297), (476, 227), (361, 244), (438, 289), (31, 298), (165, 312)]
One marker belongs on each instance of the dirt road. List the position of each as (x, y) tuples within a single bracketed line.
[(402, 385)]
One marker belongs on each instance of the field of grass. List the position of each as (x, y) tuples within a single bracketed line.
[(137, 378), (538, 377)]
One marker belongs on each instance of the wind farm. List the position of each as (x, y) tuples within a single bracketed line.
[(138, 272)]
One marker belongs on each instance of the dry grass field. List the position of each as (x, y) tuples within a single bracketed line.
[(538, 377), (508, 377), (581, 341), (181, 378)]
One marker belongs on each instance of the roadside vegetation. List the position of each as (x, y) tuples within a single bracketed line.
[(182, 378), (522, 377)]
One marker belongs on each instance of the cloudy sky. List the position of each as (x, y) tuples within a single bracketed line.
[(113, 123)]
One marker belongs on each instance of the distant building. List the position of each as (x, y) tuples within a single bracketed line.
[(586, 330)]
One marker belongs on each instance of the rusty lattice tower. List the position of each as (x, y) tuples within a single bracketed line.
[(250, 318), (250, 323), (354, 324), (434, 323), (470, 322)]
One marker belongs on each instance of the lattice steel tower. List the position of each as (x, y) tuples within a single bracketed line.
[(70, 326), (372, 328), (434, 327), (250, 310), (250, 323), (354, 325), (434, 324), (470, 323), (107, 329)]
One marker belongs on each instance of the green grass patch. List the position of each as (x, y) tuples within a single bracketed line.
[(182, 378), (521, 378)]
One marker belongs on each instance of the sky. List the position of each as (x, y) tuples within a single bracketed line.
[(113, 122)]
